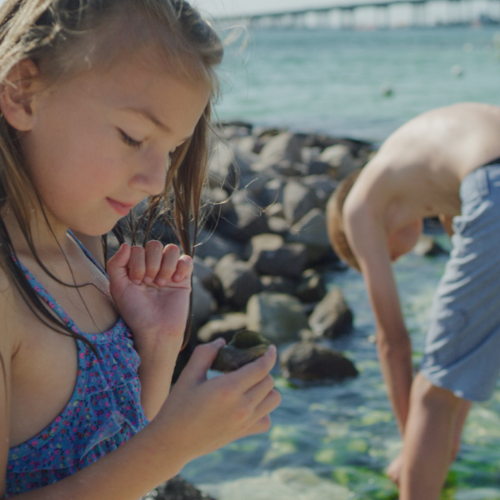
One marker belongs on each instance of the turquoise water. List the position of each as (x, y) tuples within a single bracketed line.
[(334, 442), (331, 80)]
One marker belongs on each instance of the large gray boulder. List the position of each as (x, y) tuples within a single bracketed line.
[(311, 229), (298, 200), (311, 287), (246, 220), (204, 304), (239, 281), (227, 164), (211, 244), (309, 361), (225, 326), (340, 159), (271, 256), (277, 316), (284, 146), (332, 317)]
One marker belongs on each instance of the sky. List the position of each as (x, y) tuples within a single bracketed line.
[(218, 8)]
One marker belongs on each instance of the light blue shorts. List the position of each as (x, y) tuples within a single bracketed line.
[(462, 348)]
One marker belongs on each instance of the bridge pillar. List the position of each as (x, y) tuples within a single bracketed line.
[(347, 18), (383, 18), (419, 17)]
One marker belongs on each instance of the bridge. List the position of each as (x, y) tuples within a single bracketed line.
[(345, 14)]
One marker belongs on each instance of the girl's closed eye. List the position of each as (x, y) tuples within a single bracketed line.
[(129, 141)]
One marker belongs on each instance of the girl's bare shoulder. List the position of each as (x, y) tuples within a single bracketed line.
[(12, 310)]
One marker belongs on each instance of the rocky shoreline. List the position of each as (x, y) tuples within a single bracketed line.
[(263, 252), (264, 248)]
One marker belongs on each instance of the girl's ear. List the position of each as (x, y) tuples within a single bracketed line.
[(17, 94)]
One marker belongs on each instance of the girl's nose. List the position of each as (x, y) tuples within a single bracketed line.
[(151, 177)]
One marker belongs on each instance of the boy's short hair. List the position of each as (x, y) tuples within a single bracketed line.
[(335, 223)]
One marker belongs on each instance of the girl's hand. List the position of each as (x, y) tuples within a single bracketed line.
[(203, 415), (150, 287)]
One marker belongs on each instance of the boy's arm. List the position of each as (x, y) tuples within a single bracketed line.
[(368, 242), (447, 223)]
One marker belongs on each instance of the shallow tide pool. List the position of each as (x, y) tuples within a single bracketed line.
[(335, 441)]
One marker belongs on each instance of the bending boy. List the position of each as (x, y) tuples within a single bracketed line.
[(444, 163)]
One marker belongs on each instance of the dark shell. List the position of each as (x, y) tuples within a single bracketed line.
[(245, 347)]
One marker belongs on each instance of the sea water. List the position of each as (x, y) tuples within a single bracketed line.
[(338, 81), (334, 442)]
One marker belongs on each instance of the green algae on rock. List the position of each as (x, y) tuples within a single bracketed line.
[(245, 347)]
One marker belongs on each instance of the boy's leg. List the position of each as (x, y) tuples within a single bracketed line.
[(428, 440)]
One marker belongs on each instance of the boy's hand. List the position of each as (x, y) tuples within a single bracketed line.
[(150, 287)]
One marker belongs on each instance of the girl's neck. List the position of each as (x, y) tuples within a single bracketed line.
[(49, 238)]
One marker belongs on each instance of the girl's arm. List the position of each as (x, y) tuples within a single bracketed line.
[(199, 416), (151, 288)]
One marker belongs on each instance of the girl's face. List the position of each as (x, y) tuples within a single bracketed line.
[(100, 142), (404, 239)]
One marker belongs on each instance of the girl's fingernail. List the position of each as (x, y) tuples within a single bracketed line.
[(219, 342), (147, 280), (272, 349), (161, 282), (137, 282)]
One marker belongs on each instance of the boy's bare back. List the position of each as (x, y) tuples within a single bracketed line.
[(418, 170)]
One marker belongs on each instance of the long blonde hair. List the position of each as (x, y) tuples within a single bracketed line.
[(64, 37)]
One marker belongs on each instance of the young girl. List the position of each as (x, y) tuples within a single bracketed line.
[(105, 103)]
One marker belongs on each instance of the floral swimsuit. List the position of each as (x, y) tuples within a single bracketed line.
[(103, 412)]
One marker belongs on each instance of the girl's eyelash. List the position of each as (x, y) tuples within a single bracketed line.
[(129, 141)]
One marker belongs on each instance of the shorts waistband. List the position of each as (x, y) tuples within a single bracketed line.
[(482, 180)]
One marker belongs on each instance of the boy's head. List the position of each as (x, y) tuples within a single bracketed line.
[(399, 241), (335, 223)]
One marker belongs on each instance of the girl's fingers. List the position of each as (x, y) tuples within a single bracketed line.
[(200, 361), (137, 264), (262, 425), (154, 254), (251, 374), (184, 269), (117, 266), (268, 404), (170, 258), (260, 391)]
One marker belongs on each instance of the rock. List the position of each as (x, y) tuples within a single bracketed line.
[(284, 146), (246, 220), (211, 244), (246, 346), (427, 247), (298, 200), (239, 281), (204, 304), (318, 167), (177, 489), (280, 284), (323, 185), (332, 316), (289, 168), (309, 361), (207, 277), (311, 229), (340, 159), (278, 225), (311, 287), (270, 255), (277, 316), (273, 192), (225, 327)]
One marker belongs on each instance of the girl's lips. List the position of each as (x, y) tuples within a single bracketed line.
[(121, 208)]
